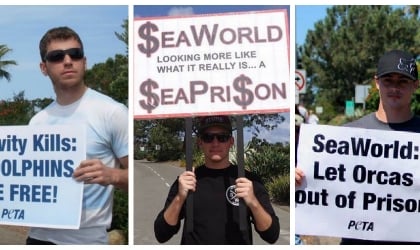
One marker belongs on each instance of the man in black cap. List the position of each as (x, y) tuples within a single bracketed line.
[(217, 191), (397, 80)]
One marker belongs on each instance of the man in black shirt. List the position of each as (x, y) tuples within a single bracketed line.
[(217, 191)]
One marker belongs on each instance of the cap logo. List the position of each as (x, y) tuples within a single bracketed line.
[(222, 121), (407, 65), (215, 119)]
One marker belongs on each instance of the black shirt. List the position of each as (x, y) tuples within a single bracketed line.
[(216, 211)]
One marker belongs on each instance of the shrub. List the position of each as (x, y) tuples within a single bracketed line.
[(120, 212), (268, 161), (279, 189)]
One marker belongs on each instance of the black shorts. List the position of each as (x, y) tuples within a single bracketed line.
[(32, 241)]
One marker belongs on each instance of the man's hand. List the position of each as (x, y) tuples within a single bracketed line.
[(245, 190), (299, 175), (186, 182), (95, 172)]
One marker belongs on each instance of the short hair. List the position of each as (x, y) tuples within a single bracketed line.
[(57, 33)]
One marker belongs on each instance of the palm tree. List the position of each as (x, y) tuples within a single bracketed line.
[(3, 64)]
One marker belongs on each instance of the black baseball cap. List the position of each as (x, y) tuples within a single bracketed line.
[(212, 121), (397, 61)]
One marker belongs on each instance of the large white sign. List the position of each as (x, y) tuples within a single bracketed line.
[(36, 169), (360, 183), (234, 63)]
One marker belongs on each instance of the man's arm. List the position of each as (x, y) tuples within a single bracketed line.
[(186, 182), (265, 221), (120, 179), (245, 190), (167, 222)]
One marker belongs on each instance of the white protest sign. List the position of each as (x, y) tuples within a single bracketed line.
[(234, 63), (36, 168), (359, 183)]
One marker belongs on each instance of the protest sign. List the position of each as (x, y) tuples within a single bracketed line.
[(234, 63), (36, 169), (359, 183)]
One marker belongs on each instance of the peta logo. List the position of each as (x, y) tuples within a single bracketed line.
[(13, 214), (360, 225)]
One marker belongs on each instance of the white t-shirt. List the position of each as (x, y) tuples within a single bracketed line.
[(106, 123), (303, 112), (313, 119)]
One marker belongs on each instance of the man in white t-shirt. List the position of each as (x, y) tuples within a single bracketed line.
[(312, 117), (106, 124)]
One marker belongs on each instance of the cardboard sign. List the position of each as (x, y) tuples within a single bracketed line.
[(36, 175), (236, 63), (360, 183)]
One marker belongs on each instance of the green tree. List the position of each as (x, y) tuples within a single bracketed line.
[(169, 134), (343, 49), (123, 37), (17, 111), (162, 138), (256, 123), (4, 50), (111, 77), (41, 103), (119, 86)]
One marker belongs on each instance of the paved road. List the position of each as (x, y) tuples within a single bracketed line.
[(151, 186)]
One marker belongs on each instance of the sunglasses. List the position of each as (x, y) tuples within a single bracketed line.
[(208, 138), (58, 55)]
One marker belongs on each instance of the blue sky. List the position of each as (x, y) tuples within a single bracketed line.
[(166, 10), (281, 134), (23, 26), (306, 17)]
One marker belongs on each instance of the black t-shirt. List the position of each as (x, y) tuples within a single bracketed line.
[(216, 210)]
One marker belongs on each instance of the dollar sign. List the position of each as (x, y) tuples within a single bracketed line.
[(152, 43), (247, 97), (152, 100)]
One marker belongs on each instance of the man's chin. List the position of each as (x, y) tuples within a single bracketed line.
[(216, 158)]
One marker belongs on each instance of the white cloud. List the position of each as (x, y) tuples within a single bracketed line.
[(180, 11)]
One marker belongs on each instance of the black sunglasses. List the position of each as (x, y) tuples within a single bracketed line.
[(58, 55), (208, 138)]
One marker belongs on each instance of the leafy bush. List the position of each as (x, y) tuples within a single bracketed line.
[(279, 189), (198, 159), (271, 162), (268, 160), (120, 212), (140, 155)]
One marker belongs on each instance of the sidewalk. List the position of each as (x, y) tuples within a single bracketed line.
[(319, 240), (13, 235)]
